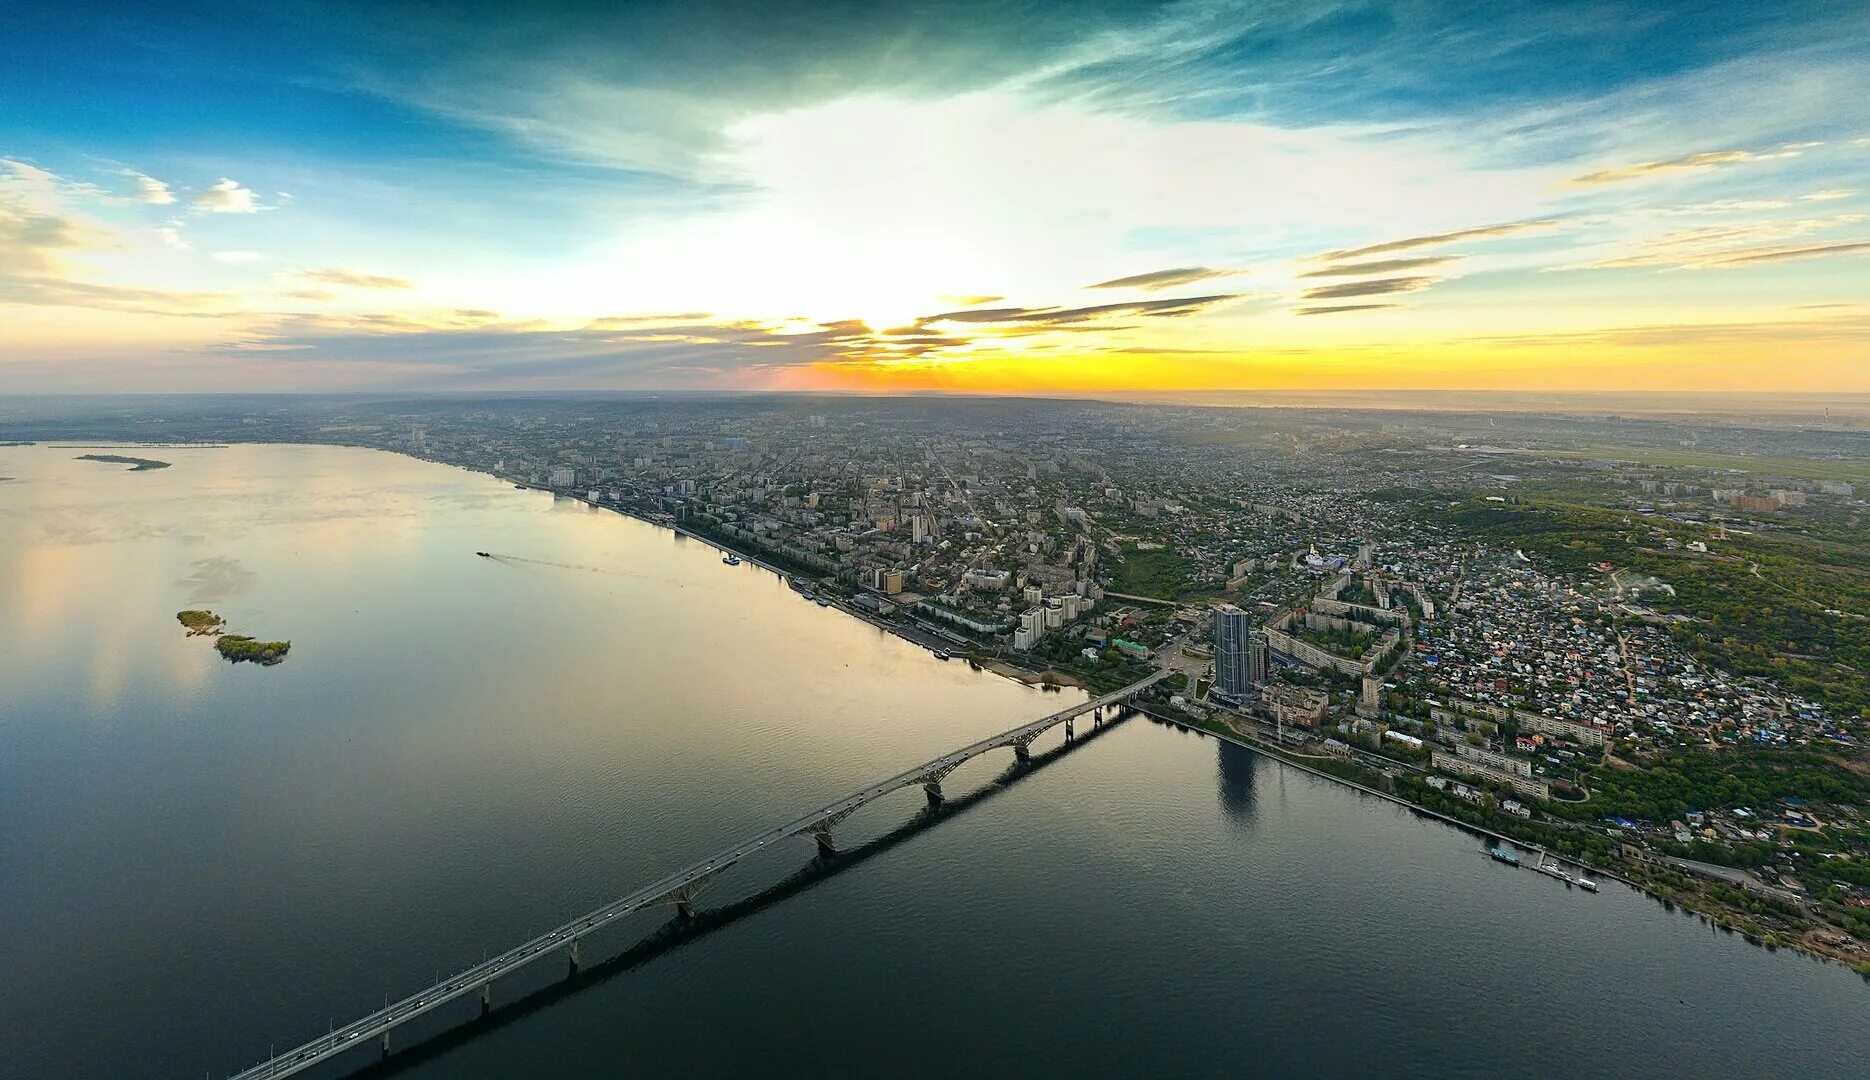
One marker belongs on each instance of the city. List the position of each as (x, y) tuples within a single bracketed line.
[(1167, 538)]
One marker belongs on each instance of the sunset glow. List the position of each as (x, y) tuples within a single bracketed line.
[(1193, 195)]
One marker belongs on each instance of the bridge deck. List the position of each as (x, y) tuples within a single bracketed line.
[(660, 891)]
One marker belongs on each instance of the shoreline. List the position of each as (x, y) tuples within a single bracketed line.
[(1248, 742), (997, 666)]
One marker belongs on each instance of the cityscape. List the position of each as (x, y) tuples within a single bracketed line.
[(1185, 538)]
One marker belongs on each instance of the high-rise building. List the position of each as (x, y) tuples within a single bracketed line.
[(1233, 675), (1259, 657)]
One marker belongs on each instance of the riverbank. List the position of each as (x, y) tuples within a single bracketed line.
[(1763, 922), (1816, 943), (930, 638)]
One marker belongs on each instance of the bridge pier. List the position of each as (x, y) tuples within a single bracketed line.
[(571, 953), (933, 790), (826, 845), (1022, 751), (386, 1045), (486, 998), (685, 909)]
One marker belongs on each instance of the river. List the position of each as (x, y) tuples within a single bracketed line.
[(199, 860)]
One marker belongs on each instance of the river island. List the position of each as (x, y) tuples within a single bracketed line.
[(136, 464), (198, 621), (237, 648)]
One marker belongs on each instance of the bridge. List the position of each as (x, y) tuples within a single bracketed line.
[(678, 889)]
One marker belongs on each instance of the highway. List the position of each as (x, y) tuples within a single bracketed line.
[(678, 887)]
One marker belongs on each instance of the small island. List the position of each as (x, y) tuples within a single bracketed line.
[(136, 464), (237, 648), (200, 622)]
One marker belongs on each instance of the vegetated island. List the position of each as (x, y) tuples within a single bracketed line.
[(137, 464), (237, 648), (200, 622)]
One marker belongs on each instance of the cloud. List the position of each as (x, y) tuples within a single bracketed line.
[(1053, 315), (315, 295), (968, 300), (1334, 309), (1378, 287), (1380, 266), (227, 197), (1714, 246), (152, 191), (353, 279), (236, 258), (1484, 232), (60, 292), (1751, 258), (463, 349), (1828, 195), (29, 241), (38, 233), (1691, 162), (1163, 279)]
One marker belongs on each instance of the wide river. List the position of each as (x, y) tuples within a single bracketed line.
[(199, 860)]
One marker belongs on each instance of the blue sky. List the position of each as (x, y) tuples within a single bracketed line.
[(306, 196)]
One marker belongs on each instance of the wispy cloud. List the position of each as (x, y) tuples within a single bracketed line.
[(1484, 232), (1378, 287), (1334, 309), (1829, 195), (1752, 258), (1724, 245), (65, 292), (353, 279), (1053, 315), (1688, 163), (1164, 279), (1380, 266)]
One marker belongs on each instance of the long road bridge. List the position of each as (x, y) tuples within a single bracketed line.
[(678, 889)]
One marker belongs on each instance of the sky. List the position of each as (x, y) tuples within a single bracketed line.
[(973, 196)]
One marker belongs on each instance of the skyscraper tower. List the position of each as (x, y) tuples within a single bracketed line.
[(1233, 674)]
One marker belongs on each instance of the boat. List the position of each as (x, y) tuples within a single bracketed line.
[(941, 654), (822, 602), (1586, 883), (521, 487), (484, 554), (1505, 855), (808, 594), (731, 560)]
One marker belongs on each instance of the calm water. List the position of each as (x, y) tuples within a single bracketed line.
[(199, 859)]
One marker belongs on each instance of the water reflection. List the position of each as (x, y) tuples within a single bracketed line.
[(1238, 766), (678, 932)]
